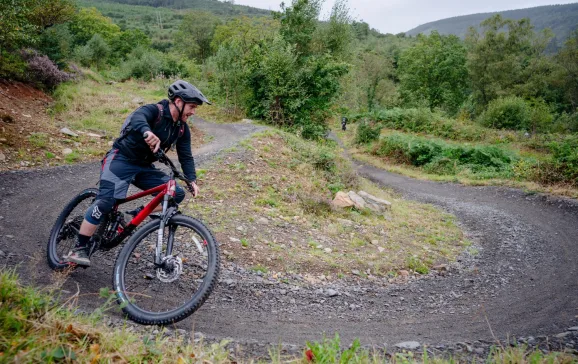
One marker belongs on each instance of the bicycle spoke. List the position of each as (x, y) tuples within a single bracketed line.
[(165, 290)]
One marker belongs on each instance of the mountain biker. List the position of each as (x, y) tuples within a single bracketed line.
[(145, 131)]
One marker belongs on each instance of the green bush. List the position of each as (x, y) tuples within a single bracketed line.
[(507, 113), (423, 120), (367, 132), (439, 157)]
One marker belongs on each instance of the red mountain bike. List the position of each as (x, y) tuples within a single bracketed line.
[(168, 267)]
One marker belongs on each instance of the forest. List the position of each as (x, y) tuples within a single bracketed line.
[(459, 105)]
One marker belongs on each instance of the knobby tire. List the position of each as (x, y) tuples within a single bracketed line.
[(128, 257)]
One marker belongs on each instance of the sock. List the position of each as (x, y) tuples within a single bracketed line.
[(82, 241)]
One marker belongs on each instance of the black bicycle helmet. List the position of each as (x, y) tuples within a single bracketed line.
[(187, 92)]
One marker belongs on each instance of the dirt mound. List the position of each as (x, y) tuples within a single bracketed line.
[(23, 112)]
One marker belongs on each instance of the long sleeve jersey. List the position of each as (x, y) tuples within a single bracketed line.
[(146, 118)]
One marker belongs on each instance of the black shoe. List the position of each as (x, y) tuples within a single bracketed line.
[(78, 256), (135, 212)]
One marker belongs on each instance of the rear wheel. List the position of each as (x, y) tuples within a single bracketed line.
[(160, 295), (65, 230)]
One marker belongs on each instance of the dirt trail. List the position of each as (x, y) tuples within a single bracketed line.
[(523, 281)]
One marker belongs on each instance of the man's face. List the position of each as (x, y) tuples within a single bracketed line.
[(188, 111)]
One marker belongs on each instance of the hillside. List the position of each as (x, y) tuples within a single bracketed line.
[(216, 7), (561, 19)]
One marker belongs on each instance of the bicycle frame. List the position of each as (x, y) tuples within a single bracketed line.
[(165, 191)]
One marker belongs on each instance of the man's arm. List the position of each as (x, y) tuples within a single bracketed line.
[(185, 155)]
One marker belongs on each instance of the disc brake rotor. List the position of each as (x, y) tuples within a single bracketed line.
[(171, 270)]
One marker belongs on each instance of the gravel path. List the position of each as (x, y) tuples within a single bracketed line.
[(523, 280)]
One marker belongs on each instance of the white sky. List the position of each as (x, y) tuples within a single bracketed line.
[(395, 16)]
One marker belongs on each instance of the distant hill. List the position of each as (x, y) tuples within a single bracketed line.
[(561, 19), (226, 8)]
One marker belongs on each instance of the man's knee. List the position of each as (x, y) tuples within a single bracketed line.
[(179, 194), (98, 209)]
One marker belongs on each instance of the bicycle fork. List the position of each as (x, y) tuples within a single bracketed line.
[(160, 235)]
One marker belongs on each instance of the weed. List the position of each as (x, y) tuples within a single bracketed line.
[(39, 140), (244, 242), (72, 157), (259, 268), (417, 265), (49, 155)]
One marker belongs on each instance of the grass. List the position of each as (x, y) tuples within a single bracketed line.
[(295, 194)]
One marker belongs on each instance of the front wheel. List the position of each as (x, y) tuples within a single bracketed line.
[(153, 295)]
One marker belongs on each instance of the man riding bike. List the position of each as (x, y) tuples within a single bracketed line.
[(145, 131)]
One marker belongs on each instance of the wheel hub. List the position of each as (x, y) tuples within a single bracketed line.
[(171, 269)]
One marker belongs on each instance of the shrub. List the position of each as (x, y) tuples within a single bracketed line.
[(439, 157), (367, 132), (566, 123), (42, 70), (507, 113), (423, 120)]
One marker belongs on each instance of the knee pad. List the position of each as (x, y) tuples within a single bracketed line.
[(179, 194), (98, 209)]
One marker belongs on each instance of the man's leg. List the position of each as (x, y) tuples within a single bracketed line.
[(152, 177), (115, 178)]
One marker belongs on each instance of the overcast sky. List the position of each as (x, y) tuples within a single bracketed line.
[(395, 16)]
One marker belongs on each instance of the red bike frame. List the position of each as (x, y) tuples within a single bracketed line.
[(168, 188)]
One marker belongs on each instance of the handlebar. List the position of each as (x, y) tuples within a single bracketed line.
[(164, 159)]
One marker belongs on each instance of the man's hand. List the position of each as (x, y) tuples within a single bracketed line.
[(193, 188), (152, 140)]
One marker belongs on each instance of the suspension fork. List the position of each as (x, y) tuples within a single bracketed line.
[(160, 235)]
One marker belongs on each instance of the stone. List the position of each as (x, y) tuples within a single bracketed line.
[(138, 100), (575, 328), (441, 267), (2, 157), (404, 273), (409, 345), (358, 201), (263, 220), (66, 151), (247, 121), (375, 242), (380, 249), (234, 240), (110, 143), (327, 250), (27, 115), (69, 132), (562, 335), (92, 135), (341, 200), (331, 292), (372, 200)]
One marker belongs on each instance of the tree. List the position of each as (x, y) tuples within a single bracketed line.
[(245, 32), (124, 42), (195, 33), (567, 78), (498, 59), (22, 21), (339, 32), (298, 23), (88, 22), (434, 70)]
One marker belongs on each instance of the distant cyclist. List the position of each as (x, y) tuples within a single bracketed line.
[(145, 131)]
